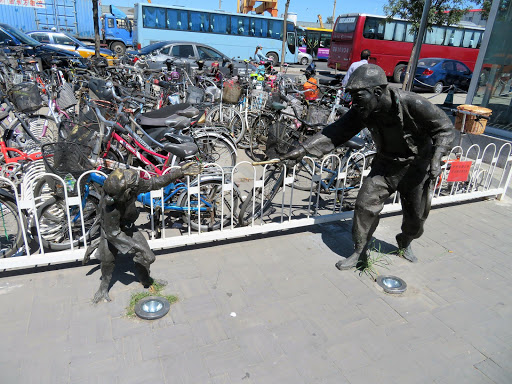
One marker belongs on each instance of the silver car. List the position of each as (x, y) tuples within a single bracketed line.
[(157, 53), (304, 58)]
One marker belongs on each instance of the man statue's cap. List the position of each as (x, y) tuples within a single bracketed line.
[(366, 76)]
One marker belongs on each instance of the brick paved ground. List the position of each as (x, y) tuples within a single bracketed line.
[(298, 319)]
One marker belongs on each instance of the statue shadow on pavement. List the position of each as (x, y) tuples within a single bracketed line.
[(337, 236), (124, 272)]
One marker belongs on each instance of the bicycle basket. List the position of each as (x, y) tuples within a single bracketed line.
[(26, 97), (317, 114), (281, 139), (67, 160), (231, 92), (66, 97), (66, 157)]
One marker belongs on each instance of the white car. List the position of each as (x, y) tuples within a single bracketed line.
[(304, 58)]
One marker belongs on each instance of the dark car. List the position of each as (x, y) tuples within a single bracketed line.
[(11, 37), (438, 74), (190, 52)]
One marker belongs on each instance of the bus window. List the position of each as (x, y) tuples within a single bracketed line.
[(471, 39), (435, 36), (153, 17), (260, 28), (410, 36), (400, 28), (219, 24), (325, 40), (373, 28), (453, 37), (177, 19), (345, 24), (199, 22), (240, 25), (275, 29)]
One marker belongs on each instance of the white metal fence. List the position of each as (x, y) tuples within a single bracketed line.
[(330, 198)]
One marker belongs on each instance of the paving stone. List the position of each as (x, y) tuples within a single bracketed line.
[(225, 357), (208, 331), (174, 339), (187, 367)]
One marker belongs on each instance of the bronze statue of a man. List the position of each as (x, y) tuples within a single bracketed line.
[(118, 230), (411, 135)]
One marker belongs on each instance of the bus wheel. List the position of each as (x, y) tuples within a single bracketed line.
[(118, 48), (273, 56), (397, 73)]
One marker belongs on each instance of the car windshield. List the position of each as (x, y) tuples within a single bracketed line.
[(428, 62), (21, 36), (75, 41), (149, 48)]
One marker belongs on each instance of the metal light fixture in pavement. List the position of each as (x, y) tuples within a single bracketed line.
[(392, 284), (152, 308)]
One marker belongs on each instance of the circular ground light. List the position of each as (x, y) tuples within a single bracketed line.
[(392, 284), (152, 308)]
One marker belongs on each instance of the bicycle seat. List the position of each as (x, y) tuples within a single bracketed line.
[(355, 143), (191, 112), (177, 138), (178, 122), (159, 117), (183, 151), (278, 106)]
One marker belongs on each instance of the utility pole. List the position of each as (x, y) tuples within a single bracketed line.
[(411, 67), (285, 29), (96, 28), (220, 4), (333, 14)]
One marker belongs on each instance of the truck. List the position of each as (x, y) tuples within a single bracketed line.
[(74, 17)]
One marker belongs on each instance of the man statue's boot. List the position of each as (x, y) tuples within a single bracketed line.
[(352, 261), (404, 248)]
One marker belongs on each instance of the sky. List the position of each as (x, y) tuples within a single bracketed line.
[(306, 10)]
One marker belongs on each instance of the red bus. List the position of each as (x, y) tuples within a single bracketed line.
[(391, 43)]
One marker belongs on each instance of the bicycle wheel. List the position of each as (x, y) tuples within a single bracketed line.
[(273, 183), (229, 117), (53, 223), (43, 128), (215, 148), (356, 167), (211, 203), (11, 235)]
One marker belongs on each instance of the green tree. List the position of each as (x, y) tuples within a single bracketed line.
[(329, 20), (442, 12)]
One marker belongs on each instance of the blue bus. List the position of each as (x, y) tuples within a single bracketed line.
[(234, 34)]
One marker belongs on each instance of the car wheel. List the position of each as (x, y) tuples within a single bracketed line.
[(438, 87), (118, 48), (273, 56), (304, 61), (397, 73)]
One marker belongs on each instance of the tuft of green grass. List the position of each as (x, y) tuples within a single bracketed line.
[(375, 259), (155, 290)]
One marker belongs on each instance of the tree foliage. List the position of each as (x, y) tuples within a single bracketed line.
[(442, 12), (329, 20)]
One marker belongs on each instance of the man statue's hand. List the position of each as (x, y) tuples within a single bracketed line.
[(296, 154), (435, 167), (191, 168)]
